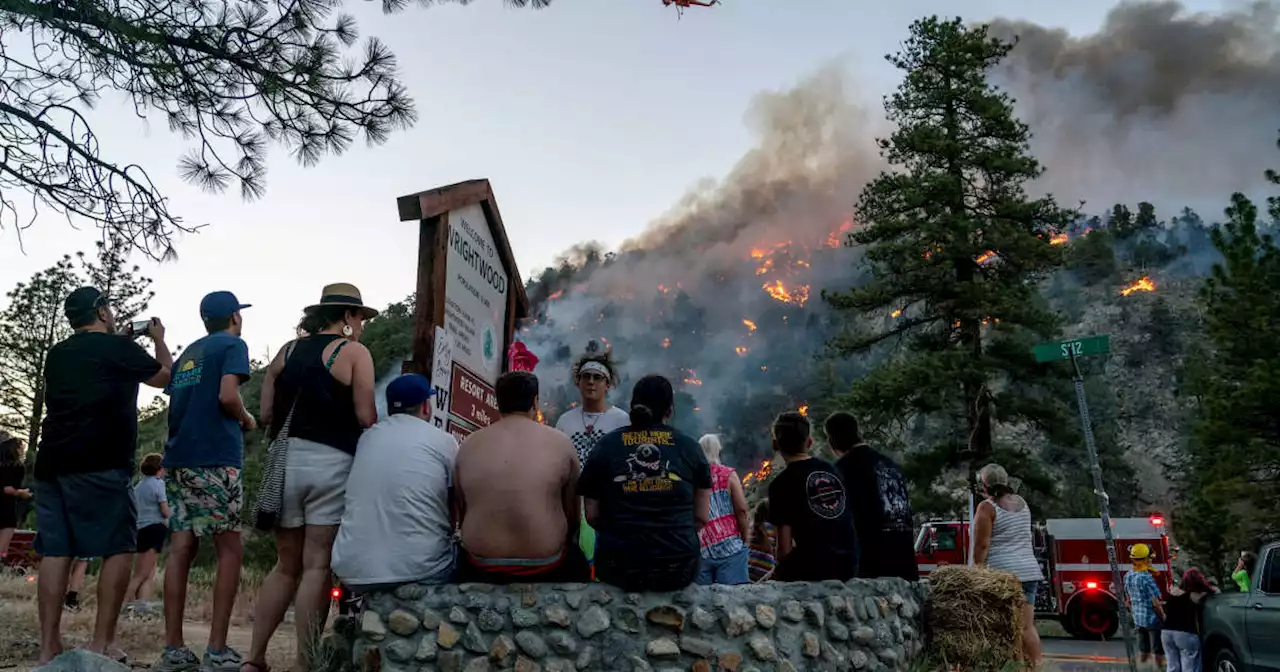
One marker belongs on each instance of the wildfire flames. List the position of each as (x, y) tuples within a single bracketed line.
[(897, 313), (797, 295), (760, 474), (985, 257), (751, 326), (692, 378), (804, 410), (1143, 284), (1059, 239)]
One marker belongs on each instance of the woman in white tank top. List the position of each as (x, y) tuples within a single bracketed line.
[(1002, 540)]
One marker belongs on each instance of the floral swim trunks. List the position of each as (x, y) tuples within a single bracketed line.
[(204, 500)]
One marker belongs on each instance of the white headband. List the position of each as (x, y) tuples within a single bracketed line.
[(596, 367)]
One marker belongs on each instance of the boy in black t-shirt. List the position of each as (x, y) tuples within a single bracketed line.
[(647, 491), (809, 507)]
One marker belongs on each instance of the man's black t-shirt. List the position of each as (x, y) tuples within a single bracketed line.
[(91, 400), (881, 506), (11, 476), (644, 480), (809, 497)]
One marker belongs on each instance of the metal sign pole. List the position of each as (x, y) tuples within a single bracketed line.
[(1104, 509)]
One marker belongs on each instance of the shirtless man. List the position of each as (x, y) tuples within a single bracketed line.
[(516, 496)]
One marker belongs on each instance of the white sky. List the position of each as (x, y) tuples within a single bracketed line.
[(589, 118)]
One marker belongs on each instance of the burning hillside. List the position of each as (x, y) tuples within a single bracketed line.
[(722, 293)]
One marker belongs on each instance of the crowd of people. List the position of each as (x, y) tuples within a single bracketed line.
[(607, 495)]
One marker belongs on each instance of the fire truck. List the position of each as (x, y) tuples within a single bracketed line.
[(1078, 589)]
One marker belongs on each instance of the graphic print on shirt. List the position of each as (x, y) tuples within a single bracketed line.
[(647, 469), (825, 495), (895, 501), (190, 368)]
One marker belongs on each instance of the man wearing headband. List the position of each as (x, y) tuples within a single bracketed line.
[(591, 419)]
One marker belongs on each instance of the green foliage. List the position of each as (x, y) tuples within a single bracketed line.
[(233, 77), (34, 321), (957, 246), (1233, 477), (1093, 257)]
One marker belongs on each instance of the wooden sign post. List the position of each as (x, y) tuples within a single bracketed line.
[(469, 298)]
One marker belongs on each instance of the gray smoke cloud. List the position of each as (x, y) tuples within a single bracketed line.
[(1158, 105)]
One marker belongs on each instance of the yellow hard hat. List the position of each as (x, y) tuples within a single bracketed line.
[(1139, 552)]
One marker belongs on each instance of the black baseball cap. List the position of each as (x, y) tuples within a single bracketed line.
[(83, 301)]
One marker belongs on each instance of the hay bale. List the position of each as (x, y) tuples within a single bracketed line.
[(974, 617)]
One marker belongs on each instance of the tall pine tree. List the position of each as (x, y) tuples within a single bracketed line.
[(34, 321), (956, 247), (1233, 475)]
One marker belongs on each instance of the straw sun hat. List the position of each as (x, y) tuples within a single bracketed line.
[(342, 294)]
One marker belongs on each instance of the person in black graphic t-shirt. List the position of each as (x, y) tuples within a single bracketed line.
[(647, 492), (880, 501), (809, 507)]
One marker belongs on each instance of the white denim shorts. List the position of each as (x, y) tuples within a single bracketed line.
[(315, 484)]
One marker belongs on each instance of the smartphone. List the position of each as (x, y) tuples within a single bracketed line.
[(139, 328)]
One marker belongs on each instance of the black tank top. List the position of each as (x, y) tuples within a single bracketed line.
[(326, 409)]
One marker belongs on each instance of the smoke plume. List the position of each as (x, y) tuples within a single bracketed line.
[(722, 292), (1159, 104)]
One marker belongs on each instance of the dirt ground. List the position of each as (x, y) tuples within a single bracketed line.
[(141, 638)]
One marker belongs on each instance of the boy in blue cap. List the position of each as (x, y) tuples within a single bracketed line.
[(202, 461)]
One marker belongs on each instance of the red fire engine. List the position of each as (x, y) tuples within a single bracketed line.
[(1078, 588)]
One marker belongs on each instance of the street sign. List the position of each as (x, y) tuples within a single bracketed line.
[(1076, 347), (1073, 350)]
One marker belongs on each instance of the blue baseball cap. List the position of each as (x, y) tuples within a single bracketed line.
[(408, 392), (218, 305)]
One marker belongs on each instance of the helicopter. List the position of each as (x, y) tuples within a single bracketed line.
[(682, 5)]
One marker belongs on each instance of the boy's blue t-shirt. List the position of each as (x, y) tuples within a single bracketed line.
[(201, 434)]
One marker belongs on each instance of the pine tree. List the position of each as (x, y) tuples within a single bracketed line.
[(31, 324), (34, 321), (1233, 475), (955, 247)]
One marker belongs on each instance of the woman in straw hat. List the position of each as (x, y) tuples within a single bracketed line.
[(321, 388), (1002, 540)]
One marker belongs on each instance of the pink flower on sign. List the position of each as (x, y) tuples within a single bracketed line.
[(520, 359)]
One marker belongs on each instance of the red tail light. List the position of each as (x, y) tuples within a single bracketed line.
[(1090, 585), (336, 593)]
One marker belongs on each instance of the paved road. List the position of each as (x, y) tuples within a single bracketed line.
[(1072, 654)]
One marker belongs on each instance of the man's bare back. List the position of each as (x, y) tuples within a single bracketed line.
[(515, 480)]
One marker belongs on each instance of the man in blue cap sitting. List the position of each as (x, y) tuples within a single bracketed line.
[(397, 527)]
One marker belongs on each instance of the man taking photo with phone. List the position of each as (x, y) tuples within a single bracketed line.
[(84, 506)]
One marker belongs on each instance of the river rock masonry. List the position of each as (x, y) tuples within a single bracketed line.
[(858, 625)]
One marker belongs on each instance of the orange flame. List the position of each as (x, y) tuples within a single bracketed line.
[(540, 417), (896, 313), (666, 342), (741, 350), (1059, 239), (833, 240), (664, 289), (804, 410), (985, 257), (693, 378), (797, 295), (1143, 284), (760, 474), (555, 296), (751, 326)]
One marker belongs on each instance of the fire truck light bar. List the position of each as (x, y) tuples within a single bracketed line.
[(1091, 585)]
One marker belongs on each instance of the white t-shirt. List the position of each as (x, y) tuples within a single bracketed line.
[(396, 526), (584, 429)]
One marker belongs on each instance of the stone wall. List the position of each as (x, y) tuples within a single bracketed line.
[(859, 625)]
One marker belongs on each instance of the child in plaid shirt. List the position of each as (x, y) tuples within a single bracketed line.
[(1144, 601)]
